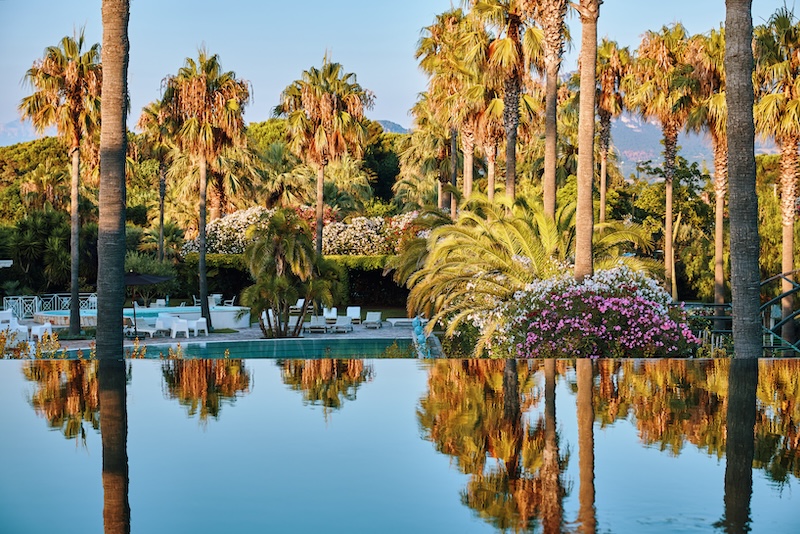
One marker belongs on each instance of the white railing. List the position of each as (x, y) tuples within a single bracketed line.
[(25, 306)]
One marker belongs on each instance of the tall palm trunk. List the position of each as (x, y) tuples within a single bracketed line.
[(320, 205), (605, 145), (468, 149), (550, 137), (670, 133), (74, 245), (587, 518), (214, 198), (491, 167), (584, 216), (789, 160), (552, 492), (114, 435), (162, 193), (113, 144), (453, 171), (205, 310), (720, 190), (745, 287), (740, 444)]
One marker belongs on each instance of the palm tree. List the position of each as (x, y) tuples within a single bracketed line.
[(745, 245), (550, 15), (325, 119), (584, 374), (589, 11), (507, 56), (652, 90), (159, 134), (708, 110), (206, 105), (612, 66), (67, 83), (777, 54)]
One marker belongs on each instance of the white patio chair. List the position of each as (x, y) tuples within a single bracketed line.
[(144, 328), (299, 307), (229, 302), (178, 326), (317, 325), (354, 312), (373, 320), (197, 325), (343, 324), (330, 314)]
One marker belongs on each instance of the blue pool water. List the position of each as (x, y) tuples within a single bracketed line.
[(394, 445)]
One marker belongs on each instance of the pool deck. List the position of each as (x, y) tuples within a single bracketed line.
[(387, 331)]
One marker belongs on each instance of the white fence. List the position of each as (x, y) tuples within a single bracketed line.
[(25, 306)]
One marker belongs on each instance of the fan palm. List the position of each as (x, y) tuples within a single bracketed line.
[(325, 119), (206, 105), (612, 66), (777, 52), (652, 90), (67, 84)]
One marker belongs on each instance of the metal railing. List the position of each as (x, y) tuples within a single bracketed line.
[(25, 306)]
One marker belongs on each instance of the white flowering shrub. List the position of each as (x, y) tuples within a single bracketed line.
[(228, 235)]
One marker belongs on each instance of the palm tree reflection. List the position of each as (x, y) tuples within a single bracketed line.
[(326, 381), (114, 431), (204, 385), (475, 411)]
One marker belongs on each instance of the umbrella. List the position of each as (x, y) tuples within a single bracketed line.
[(140, 279)]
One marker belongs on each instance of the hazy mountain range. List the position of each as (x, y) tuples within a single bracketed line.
[(635, 139)]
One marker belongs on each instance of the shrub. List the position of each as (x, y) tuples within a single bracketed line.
[(615, 313)]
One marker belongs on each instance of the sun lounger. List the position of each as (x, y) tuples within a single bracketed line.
[(354, 312), (298, 308), (404, 321), (330, 314), (373, 320), (343, 325), (317, 325), (144, 328)]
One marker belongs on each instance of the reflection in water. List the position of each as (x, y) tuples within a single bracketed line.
[(114, 430), (587, 521), (65, 394), (475, 412), (203, 385), (326, 382)]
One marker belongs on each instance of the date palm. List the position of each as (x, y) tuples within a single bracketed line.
[(777, 55), (206, 104), (613, 63), (325, 120), (67, 84), (745, 274), (652, 91)]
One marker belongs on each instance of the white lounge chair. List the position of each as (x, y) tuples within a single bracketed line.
[(298, 308), (229, 302), (330, 314), (343, 324), (197, 325), (373, 320), (178, 326), (144, 328), (10, 323), (354, 312), (317, 325)]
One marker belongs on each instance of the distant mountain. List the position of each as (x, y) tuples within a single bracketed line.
[(17, 131), (392, 127), (637, 141)]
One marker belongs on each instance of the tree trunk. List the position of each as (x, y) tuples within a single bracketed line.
[(205, 310), (789, 159), (552, 492), (584, 217), (113, 140), (114, 432), (491, 158), (720, 190), (214, 198), (162, 193), (587, 517), (510, 123), (550, 139), (670, 132), (605, 144), (745, 275), (74, 245), (468, 149), (453, 172), (320, 207), (740, 444)]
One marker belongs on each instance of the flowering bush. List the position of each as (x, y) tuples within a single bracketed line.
[(615, 313), (228, 235)]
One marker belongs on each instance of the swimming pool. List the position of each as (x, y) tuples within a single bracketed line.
[(221, 316), (380, 445)]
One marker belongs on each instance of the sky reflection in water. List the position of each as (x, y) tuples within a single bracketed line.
[(399, 446)]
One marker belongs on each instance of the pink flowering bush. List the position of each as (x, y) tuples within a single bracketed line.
[(616, 313)]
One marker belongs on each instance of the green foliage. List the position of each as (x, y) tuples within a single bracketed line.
[(381, 157), (362, 263), (260, 135), (146, 264)]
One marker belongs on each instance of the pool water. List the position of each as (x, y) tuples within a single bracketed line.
[(398, 445)]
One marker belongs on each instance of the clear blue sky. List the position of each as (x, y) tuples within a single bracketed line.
[(269, 42)]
